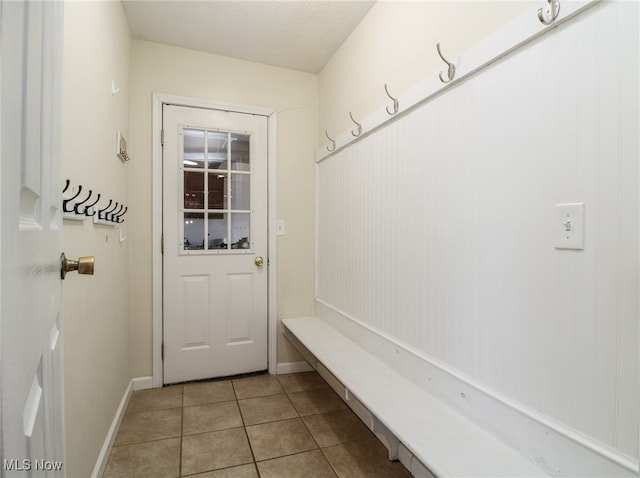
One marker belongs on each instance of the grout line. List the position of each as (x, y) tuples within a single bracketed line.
[(181, 432)]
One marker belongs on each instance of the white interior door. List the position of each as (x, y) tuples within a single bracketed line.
[(31, 345), (215, 243)]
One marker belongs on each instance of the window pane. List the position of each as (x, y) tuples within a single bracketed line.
[(217, 231), (240, 231), (217, 192), (240, 152), (193, 148), (193, 190), (240, 192), (217, 146), (193, 231)]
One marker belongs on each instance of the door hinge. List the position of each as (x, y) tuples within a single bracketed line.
[(161, 137), (162, 244), (162, 352)]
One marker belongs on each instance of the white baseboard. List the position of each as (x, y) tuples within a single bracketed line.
[(103, 457), (142, 383), (293, 367)]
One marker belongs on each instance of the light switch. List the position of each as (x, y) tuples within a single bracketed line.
[(569, 226), (280, 227)]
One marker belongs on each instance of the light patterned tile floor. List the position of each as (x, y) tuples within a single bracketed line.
[(264, 426)]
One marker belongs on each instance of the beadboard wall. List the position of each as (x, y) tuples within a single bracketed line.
[(439, 228)]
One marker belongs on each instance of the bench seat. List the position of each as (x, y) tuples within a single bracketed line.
[(446, 442)]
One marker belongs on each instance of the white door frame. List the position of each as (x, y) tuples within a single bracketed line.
[(156, 221)]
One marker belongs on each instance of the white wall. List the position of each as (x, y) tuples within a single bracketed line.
[(396, 44), (438, 230), (164, 69), (95, 309)]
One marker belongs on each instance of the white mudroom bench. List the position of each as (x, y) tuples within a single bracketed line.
[(429, 437)]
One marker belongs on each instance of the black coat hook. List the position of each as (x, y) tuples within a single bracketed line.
[(107, 214), (66, 186), (101, 212), (118, 218), (66, 201), (88, 206), (114, 215), (76, 207)]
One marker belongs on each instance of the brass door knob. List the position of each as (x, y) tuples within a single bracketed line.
[(259, 261), (84, 265)]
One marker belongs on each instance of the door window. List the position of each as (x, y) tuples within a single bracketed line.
[(216, 202)]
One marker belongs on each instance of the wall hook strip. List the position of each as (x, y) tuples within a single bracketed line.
[(396, 104), (358, 130), (549, 12), (451, 71), (332, 146)]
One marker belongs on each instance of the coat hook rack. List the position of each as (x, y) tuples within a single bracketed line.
[(332, 146), (451, 71), (80, 209), (549, 12), (396, 104), (358, 131)]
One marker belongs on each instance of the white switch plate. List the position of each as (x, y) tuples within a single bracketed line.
[(280, 231), (569, 226)]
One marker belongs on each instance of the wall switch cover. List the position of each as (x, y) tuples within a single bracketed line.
[(569, 226), (280, 227)]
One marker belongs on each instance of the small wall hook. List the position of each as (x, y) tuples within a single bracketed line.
[(358, 130), (89, 206), (549, 12), (76, 208), (66, 201), (116, 214), (451, 71), (118, 218), (396, 104), (101, 212), (332, 146)]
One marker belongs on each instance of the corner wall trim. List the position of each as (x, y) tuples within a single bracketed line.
[(103, 457), (142, 383)]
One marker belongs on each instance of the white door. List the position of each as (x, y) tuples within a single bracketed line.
[(31, 345), (215, 243)]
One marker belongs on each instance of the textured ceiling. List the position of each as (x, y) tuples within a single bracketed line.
[(296, 34)]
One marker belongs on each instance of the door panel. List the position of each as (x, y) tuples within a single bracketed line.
[(31, 342), (214, 228)]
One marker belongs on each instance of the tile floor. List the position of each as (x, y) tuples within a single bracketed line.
[(262, 426)]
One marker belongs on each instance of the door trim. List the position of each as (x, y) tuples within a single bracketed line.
[(156, 222)]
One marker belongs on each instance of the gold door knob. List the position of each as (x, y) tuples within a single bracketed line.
[(84, 265), (259, 261)]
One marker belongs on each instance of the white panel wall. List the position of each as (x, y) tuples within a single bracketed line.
[(439, 228)]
